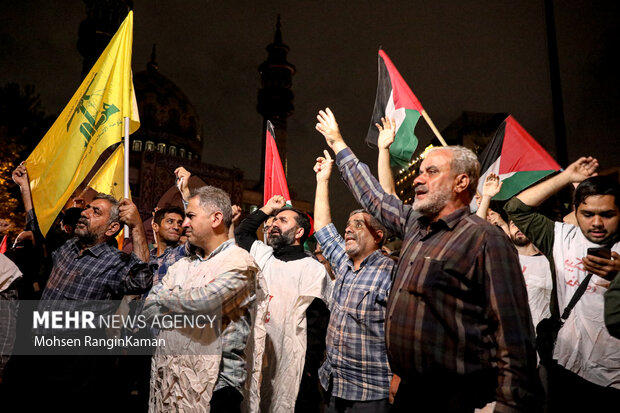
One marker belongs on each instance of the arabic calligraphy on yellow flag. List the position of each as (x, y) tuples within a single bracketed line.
[(90, 123)]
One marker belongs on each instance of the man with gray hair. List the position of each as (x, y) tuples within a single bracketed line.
[(86, 267), (356, 374), (218, 279), (458, 328)]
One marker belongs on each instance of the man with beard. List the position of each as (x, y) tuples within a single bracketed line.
[(458, 328), (356, 373), (586, 359), (296, 318), (87, 267), (534, 265)]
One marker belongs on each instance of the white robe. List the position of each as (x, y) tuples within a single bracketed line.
[(279, 345)]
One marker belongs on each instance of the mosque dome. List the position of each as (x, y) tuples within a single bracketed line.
[(169, 122)]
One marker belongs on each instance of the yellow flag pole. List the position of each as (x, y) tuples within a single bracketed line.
[(126, 168), (433, 127)]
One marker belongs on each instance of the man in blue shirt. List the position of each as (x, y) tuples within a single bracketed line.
[(356, 373)]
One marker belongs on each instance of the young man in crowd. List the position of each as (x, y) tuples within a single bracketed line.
[(588, 358)]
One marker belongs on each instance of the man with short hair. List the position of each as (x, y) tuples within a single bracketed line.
[(88, 267), (219, 276), (290, 350), (356, 374), (458, 328), (588, 358), (167, 228)]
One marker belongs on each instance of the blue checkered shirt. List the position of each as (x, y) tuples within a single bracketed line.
[(165, 260), (356, 359), (100, 272)]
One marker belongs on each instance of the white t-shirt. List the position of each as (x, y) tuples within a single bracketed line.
[(584, 345), (539, 284)]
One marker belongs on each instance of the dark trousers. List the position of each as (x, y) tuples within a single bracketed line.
[(226, 400), (449, 393), (338, 405), (568, 392)]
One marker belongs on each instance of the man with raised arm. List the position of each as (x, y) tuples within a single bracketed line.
[(588, 358), (534, 265), (87, 267), (458, 328), (356, 374), (296, 316)]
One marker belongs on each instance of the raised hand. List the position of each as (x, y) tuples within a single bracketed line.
[(328, 127), (20, 176), (582, 169), (387, 132), (492, 185), (182, 181), (236, 214), (276, 202), (323, 167), (128, 213)]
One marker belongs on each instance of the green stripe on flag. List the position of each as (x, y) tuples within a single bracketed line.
[(405, 141), (518, 182)]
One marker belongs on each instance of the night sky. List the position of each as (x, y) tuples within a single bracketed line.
[(473, 55)]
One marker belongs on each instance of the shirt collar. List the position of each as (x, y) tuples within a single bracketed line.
[(449, 221), (372, 257), (95, 250), (219, 249)]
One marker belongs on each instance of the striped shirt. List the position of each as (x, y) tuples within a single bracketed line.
[(356, 359), (458, 303)]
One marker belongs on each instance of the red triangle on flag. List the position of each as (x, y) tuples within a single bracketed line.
[(521, 152), (3, 245), (275, 180), (402, 94)]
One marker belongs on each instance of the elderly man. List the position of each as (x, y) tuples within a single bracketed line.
[(588, 358), (219, 277), (356, 371), (458, 328)]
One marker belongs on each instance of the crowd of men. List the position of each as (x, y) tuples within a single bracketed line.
[(446, 325)]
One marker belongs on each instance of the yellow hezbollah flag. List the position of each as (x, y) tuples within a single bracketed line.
[(109, 178), (90, 123)]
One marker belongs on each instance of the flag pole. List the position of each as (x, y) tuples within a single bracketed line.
[(433, 127), (126, 168)]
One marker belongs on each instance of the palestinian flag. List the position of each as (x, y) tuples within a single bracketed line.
[(395, 100), (517, 158), (275, 181)]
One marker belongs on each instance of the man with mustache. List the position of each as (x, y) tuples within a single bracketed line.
[(588, 358), (458, 329), (296, 317), (534, 264), (356, 374), (88, 267)]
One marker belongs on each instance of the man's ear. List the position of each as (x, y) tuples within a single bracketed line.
[(113, 228), (154, 226), (216, 219), (299, 232), (378, 236), (461, 183)]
